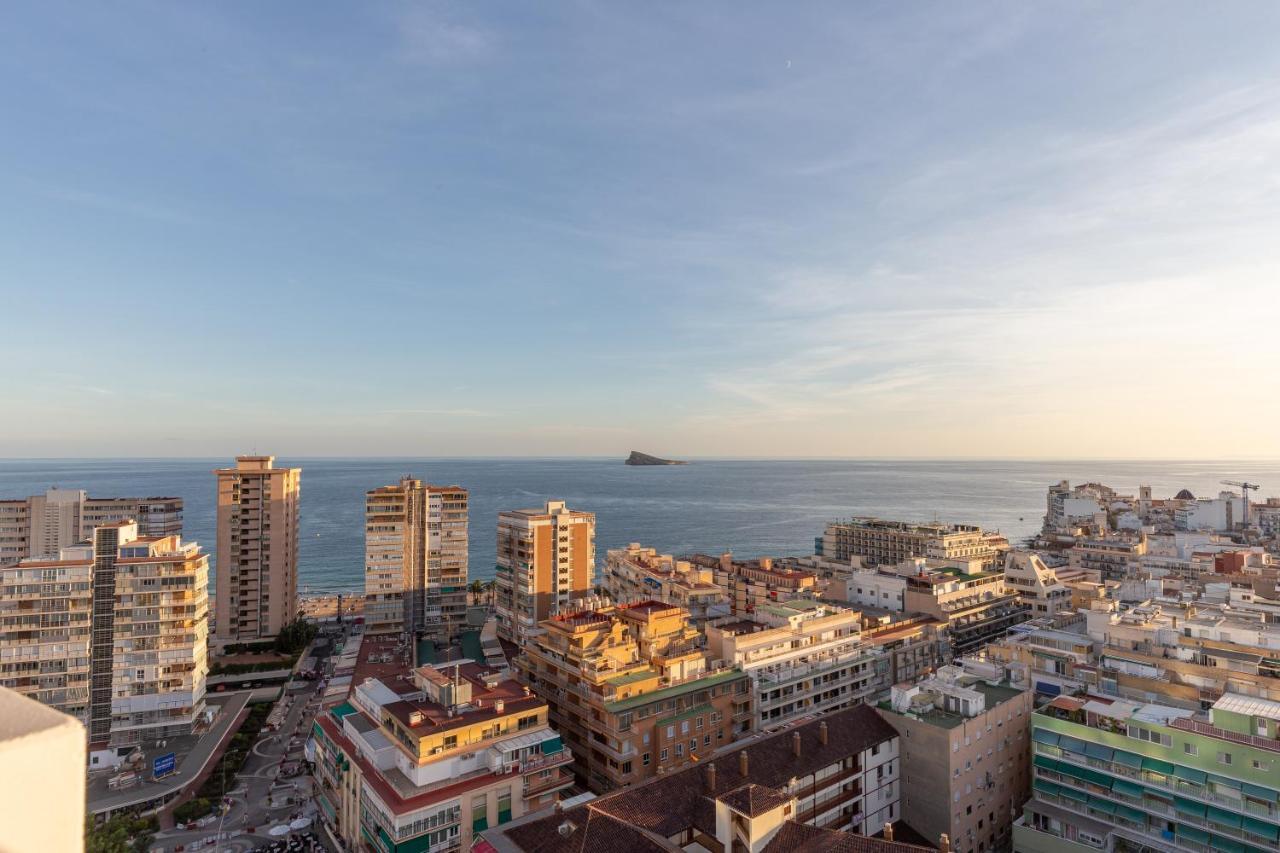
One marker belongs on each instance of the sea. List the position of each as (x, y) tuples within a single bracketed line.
[(750, 507)]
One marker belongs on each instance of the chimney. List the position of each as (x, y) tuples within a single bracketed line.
[(822, 732), (742, 763), (888, 832), (711, 779), (944, 843), (795, 744)]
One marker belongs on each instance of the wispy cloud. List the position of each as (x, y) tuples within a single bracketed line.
[(448, 413), (112, 203), (428, 35)]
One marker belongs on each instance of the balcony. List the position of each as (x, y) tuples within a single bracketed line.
[(535, 786)]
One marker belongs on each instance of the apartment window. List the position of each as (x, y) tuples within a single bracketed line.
[(1190, 749), (1224, 758), (662, 756), (706, 740), (626, 768), (679, 750), (698, 724), (451, 742), (671, 732), (684, 727), (693, 744), (644, 760)]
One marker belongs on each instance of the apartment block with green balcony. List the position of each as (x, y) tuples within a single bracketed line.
[(1122, 776)]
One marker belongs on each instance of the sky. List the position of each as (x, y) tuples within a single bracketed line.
[(695, 229)]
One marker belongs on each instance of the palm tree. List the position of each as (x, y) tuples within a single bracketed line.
[(477, 590), (491, 587)]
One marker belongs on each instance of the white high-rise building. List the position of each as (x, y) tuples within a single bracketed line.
[(40, 526)]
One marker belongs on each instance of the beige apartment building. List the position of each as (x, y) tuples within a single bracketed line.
[(46, 612), (257, 557), (965, 754), (804, 657), (635, 573), (546, 560), (42, 525), (976, 604), (886, 543), (749, 584), (1037, 585), (416, 559), (632, 691), (114, 632), (422, 761)]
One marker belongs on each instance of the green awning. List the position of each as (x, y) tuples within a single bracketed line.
[(1189, 807), (1099, 779), (1155, 765), (1262, 829), (1045, 736), (1071, 770), (1190, 774), (1258, 792), (1073, 744), (1222, 817), (1103, 805), (1129, 789), (551, 745), (1128, 759), (1073, 794), (1224, 781), (1190, 833), (1098, 751), (1045, 787), (1130, 813), (1044, 761), (1229, 845)]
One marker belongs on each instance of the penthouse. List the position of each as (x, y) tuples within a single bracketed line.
[(428, 758), (632, 691)]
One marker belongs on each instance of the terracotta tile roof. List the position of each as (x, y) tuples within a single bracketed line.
[(754, 800), (811, 839), (584, 830), (669, 805)]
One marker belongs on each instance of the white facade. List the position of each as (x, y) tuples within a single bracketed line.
[(802, 656), (1036, 584), (870, 588)]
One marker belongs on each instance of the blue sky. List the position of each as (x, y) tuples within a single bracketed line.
[(868, 229)]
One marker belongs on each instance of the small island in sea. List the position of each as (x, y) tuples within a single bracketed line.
[(638, 458)]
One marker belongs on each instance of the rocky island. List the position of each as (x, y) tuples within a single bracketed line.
[(638, 458)]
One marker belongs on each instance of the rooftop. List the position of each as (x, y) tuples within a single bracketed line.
[(643, 816)]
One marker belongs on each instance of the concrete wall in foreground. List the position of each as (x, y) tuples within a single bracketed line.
[(42, 778)]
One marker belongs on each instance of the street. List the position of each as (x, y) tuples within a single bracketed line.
[(272, 789)]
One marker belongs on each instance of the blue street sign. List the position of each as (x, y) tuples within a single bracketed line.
[(164, 765)]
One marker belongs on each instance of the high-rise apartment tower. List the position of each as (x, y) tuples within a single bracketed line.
[(257, 558)]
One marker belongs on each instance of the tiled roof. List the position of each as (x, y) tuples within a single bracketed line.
[(754, 800), (811, 839), (668, 805), (583, 830)]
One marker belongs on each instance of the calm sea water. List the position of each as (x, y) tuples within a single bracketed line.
[(753, 508)]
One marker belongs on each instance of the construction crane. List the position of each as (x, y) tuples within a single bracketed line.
[(1244, 493)]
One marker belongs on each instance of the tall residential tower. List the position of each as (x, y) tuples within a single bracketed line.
[(546, 560), (415, 566), (113, 632), (257, 557), (42, 525)]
